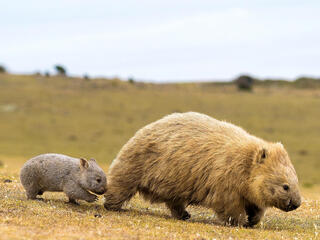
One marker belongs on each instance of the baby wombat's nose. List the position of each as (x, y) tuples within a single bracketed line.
[(104, 189)]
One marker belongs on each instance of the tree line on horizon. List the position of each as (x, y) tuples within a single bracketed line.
[(243, 82)]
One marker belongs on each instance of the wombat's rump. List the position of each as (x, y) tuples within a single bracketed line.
[(191, 158), (57, 173)]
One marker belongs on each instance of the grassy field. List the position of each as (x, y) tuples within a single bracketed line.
[(94, 118)]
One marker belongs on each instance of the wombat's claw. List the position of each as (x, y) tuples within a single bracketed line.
[(72, 201), (92, 198), (185, 215), (248, 225), (39, 199)]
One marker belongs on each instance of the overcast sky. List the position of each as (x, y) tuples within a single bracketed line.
[(163, 40)]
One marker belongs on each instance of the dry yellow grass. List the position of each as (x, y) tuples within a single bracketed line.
[(95, 118), (54, 219)]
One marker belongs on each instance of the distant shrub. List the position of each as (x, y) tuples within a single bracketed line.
[(244, 82), (131, 80), (72, 137), (303, 152), (2, 69), (47, 74), (86, 77), (307, 82), (61, 70)]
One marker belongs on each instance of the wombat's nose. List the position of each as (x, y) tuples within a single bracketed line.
[(104, 189), (293, 205)]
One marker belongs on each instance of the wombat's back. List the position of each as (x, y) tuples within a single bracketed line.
[(183, 135), (48, 171)]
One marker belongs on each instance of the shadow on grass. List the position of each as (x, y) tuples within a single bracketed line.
[(269, 223), (162, 214)]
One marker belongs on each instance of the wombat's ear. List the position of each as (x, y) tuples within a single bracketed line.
[(93, 160), (84, 163), (262, 155)]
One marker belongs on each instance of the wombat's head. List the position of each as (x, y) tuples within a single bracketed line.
[(273, 180), (92, 176)]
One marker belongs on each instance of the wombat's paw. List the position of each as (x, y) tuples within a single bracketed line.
[(72, 201), (96, 198), (248, 225), (39, 199), (115, 208), (93, 198), (185, 216)]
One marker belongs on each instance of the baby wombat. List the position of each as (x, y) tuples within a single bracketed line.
[(56, 173)]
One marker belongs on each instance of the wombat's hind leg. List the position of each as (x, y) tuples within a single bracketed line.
[(178, 210), (72, 201), (32, 194), (115, 197)]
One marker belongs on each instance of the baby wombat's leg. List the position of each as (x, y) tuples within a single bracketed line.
[(254, 215), (32, 194), (74, 191), (32, 190), (178, 210)]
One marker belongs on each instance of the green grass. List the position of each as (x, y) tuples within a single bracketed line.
[(94, 118)]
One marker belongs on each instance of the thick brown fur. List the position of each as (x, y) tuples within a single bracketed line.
[(191, 158)]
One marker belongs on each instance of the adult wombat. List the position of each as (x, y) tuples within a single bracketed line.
[(56, 172), (191, 158)]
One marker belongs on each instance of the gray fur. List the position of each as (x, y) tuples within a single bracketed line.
[(60, 173)]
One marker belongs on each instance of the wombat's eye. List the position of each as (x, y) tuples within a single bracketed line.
[(285, 187), (98, 180)]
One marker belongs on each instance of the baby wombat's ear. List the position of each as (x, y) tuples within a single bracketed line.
[(262, 155), (84, 163)]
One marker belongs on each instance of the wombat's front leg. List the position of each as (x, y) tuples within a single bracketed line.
[(254, 215), (232, 214), (178, 210), (76, 192), (117, 194), (73, 201)]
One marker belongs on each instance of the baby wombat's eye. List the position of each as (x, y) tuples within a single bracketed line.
[(285, 187), (98, 180)]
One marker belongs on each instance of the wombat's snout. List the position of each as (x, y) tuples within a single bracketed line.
[(293, 204), (101, 191)]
